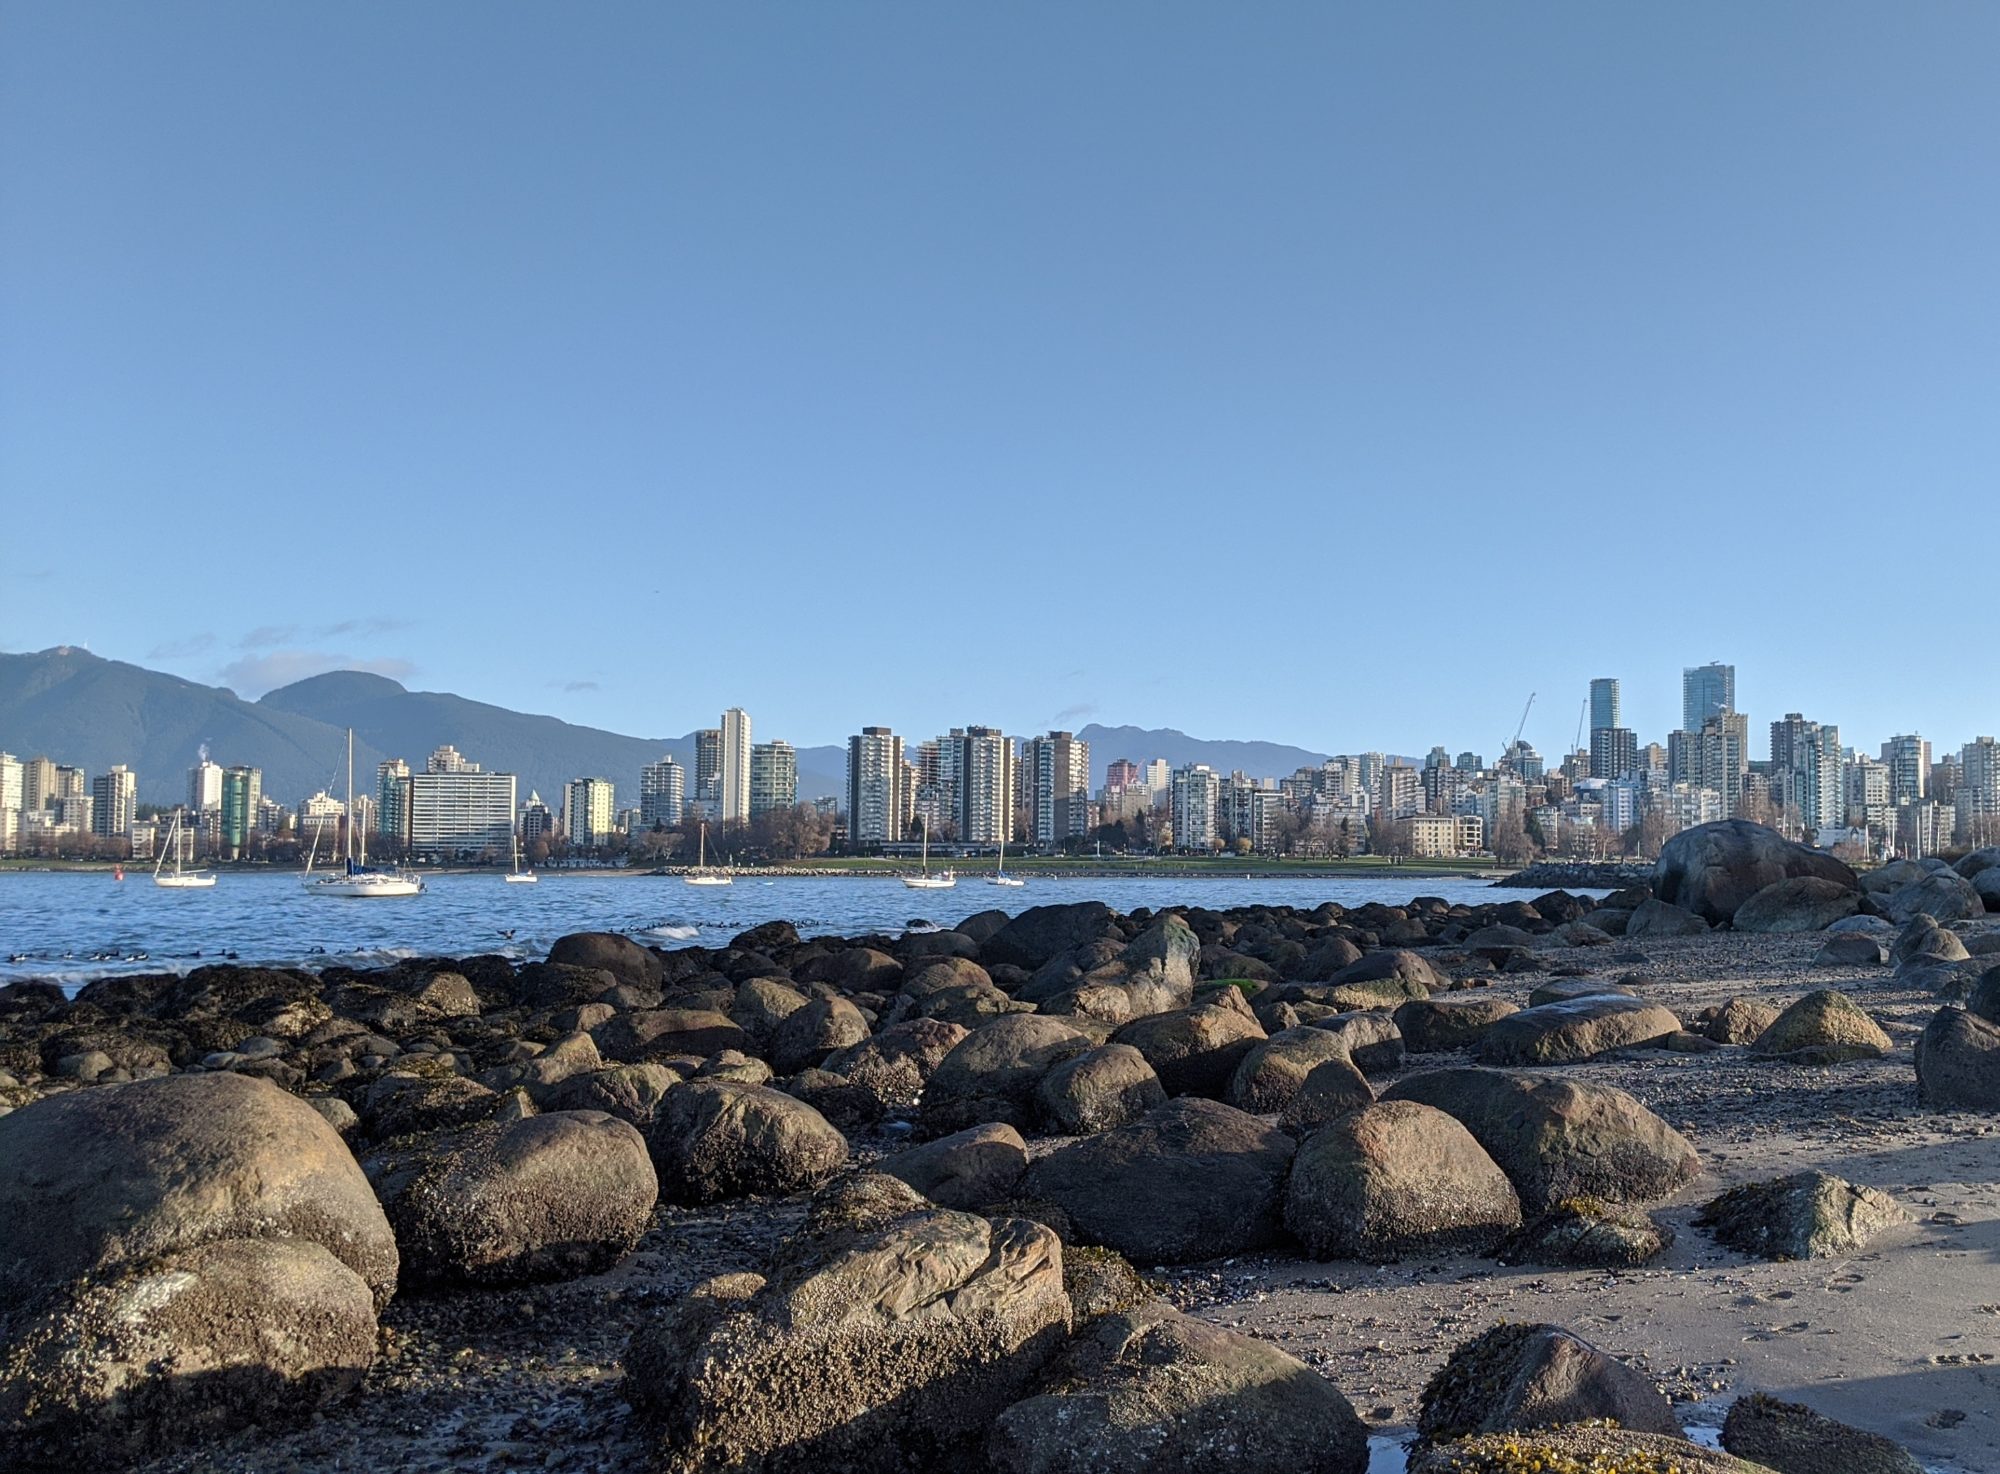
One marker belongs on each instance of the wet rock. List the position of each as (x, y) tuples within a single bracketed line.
[(1397, 1178), (1557, 1138), (715, 1139), (1520, 1377), (889, 1336), (1152, 1391), (1790, 1438), (1809, 1215), (1193, 1180)]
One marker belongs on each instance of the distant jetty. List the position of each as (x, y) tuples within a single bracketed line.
[(1608, 875)]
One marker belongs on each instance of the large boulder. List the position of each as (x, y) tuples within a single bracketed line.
[(1578, 1028), (1801, 903), (992, 1073), (1656, 918), (969, 1170), (1397, 1178), (622, 957), (1517, 1377), (1196, 1050), (895, 1065), (1958, 1062), (1452, 1021), (1791, 1438), (1193, 1180), (1824, 1027), (1385, 979), (1152, 1391), (1041, 932), (1557, 1138), (190, 1346), (717, 1139), (1712, 869), (1943, 895), (890, 1336), (806, 1037), (1275, 1070), (1808, 1215), (629, 1092), (1156, 969), (93, 1181), (544, 1197), (1107, 1087), (667, 1033)]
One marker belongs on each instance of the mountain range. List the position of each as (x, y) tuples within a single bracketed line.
[(82, 709)]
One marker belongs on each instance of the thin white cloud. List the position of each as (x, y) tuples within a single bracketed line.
[(180, 649), (253, 675)]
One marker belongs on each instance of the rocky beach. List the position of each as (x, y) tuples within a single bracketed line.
[(1544, 1183)]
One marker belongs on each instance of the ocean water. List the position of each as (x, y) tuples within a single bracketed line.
[(72, 927)]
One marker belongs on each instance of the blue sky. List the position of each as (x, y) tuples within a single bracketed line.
[(1330, 374)]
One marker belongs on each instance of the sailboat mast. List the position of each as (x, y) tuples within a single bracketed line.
[(350, 796)]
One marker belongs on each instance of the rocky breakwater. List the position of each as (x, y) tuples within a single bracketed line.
[(942, 1163)]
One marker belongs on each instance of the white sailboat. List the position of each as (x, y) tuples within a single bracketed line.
[(944, 880), (518, 876), (701, 874), (180, 880), (1000, 875), (357, 882)]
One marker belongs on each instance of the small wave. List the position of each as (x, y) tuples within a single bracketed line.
[(672, 933)]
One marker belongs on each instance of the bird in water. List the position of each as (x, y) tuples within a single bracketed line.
[(508, 932)]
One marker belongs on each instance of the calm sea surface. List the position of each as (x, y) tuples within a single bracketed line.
[(76, 926)]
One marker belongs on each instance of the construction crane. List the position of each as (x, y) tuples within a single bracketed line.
[(1522, 725), (1582, 713)]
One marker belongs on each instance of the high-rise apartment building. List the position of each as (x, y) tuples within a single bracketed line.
[(1723, 757), (733, 798), (1058, 781), (242, 805), (536, 820), (1604, 710), (662, 794), (1614, 752), (875, 788), (590, 813), (1909, 760), (774, 777), (38, 783), (1122, 773), (1197, 795), (986, 786), (392, 799), (1159, 779), (320, 820), (10, 803), (708, 769), (1706, 691), (1978, 802), (204, 787), (1807, 771), (1400, 791), (115, 795), (457, 810)]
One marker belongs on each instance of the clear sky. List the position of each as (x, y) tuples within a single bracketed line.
[(1334, 374)]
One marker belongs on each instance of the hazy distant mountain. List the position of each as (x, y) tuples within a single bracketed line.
[(91, 712), (81, 709), (1141, 745)]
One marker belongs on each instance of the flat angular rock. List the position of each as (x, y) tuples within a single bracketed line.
[(1152, 1391), (1561, 1033), (1809, 1215), (889, 1336)]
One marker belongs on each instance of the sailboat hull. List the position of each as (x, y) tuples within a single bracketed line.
[(524, 877), (184, 882), (365, 887)]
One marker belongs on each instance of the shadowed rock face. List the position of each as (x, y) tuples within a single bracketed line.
[(1193, 1180), (889, 1336), (1712, 869), (717, 1139), (1524, 1376), (1793, 1439), (1958, 1062), (1152, 1391)]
